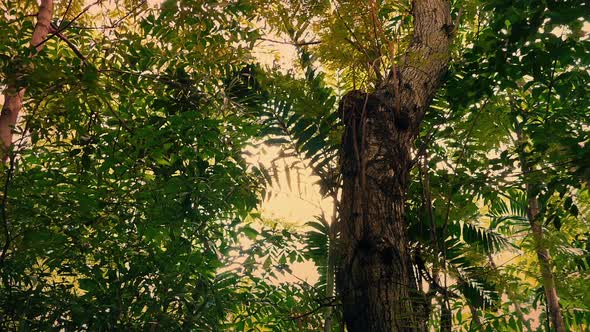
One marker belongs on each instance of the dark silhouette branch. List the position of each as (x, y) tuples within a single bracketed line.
[(294, 43), (331, 303), (54, 29), (4, 213)]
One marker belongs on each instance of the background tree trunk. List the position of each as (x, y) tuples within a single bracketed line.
[(333, 232), (533, 212), (375, 279), (13, 94), (545, 263)]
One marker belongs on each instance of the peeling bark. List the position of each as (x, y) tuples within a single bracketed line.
[(13, 95), (375, 280)]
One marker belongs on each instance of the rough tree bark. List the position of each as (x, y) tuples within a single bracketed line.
[(14, 94), (375, 278)]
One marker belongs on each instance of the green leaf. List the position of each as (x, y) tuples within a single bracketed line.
[(250, 232)]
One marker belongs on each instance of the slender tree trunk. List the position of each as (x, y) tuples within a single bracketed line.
[(543, 256), (328, 322), (446, 317), (375, 280), (13, 94), (545, 263), (446, 314)]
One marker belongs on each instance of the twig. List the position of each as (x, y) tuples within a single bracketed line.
[(318, 308)]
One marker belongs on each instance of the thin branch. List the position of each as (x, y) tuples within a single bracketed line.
[(117, 22), (424, 146), (116, 115), (3, 212), (66, 11), (551, 83), (17, 20), (318, 308), (296, 44), (69, 23), (54, 29), (456, 23), (357, 45)]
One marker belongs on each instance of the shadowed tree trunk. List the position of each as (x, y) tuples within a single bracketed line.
[(333, 231), (375, 279), (14, 94)]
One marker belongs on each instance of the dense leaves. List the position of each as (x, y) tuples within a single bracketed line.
[(123, 195)]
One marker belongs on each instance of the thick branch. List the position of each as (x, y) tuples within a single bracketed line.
[(426, 60)]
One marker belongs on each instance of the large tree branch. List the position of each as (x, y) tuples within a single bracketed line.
[(426, 59), (43, 23), (13, 95)]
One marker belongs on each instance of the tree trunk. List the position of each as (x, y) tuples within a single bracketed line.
[(545, 263), (13, 94), (543, 256), (333, 231), (375, 279)]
